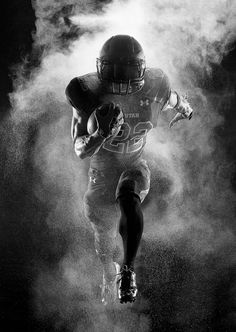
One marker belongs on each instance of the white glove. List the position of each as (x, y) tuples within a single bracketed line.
[(183, 108)]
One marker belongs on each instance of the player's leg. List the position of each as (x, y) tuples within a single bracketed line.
[(131, 224), (100, 210), (102, 220), (132, 188)]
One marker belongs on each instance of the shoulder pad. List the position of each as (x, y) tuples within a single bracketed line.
[(154, 73), (89, 82), (158, 84), (81, 90)]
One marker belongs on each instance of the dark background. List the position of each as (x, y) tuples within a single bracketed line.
[(18, 246)]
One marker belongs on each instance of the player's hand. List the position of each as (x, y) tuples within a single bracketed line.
[(184, 111), (109, 118)]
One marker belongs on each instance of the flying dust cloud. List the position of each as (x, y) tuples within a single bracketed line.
[(188, 245)]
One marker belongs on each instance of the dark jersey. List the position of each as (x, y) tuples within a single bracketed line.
[(141, 110)]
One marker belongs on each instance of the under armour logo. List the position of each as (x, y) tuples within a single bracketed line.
[(144, 102), (92, 179)]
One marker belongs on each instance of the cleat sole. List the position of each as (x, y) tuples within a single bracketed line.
[(127, 299)]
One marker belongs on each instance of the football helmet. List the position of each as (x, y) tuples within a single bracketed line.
[(121, 65)]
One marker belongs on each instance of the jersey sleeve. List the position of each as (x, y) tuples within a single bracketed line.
[(159, 85), (164, 92), (76, 98), (73, 93), (80, 94)]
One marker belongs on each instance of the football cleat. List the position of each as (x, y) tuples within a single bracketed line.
[(127, 288), (109, 287)]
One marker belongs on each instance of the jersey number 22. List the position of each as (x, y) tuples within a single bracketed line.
[(123, 144)]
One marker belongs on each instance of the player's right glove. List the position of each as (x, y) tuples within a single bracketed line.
[(183, 108), (109, 119)]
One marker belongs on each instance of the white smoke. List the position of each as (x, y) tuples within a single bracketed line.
[(183, 38)]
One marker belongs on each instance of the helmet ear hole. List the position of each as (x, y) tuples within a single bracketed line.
[(121, 64)]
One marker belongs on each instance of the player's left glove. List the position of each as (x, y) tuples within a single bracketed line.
[(109, 119), (184, 110)]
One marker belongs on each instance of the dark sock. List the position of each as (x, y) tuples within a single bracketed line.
[(130, 227)]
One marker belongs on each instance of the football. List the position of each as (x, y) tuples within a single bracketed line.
[(92, 123)]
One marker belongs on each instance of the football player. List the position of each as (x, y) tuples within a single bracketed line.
[(125, 98)]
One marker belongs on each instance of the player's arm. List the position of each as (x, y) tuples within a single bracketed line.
[(85, 145), (108, 117), (181, 105)]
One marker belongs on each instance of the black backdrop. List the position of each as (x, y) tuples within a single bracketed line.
[(17, 245)]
